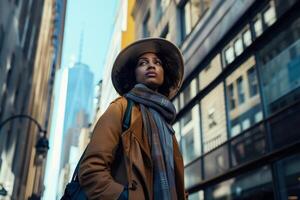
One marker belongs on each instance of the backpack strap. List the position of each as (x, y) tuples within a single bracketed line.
[(125, 126), (127, 116)]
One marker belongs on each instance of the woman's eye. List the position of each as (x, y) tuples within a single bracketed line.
[(158, 62), (141, 63)]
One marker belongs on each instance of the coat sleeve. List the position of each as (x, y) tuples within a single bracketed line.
[(94, 171)]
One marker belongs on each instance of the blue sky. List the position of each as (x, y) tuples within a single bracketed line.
[(95, 18)]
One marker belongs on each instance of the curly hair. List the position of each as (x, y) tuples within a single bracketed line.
[(171, 75)]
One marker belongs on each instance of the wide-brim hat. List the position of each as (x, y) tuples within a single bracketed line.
[(122, 70)]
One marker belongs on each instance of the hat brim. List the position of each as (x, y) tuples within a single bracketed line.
[(131, 53)]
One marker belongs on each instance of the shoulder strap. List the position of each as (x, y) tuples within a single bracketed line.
[(125, 126), (127, 115)]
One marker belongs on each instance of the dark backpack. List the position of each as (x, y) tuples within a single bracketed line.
[(73, 190)]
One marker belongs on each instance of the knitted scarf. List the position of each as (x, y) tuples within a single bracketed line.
[(157, 113)]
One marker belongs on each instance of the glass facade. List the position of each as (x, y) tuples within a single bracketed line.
[(240, 105), (252, 185), (289, 176), (280, 70), (243, 98), (214, 119)]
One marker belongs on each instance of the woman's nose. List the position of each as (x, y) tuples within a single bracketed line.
[(151, 65)]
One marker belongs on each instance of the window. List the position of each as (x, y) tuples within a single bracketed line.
[(1, 37), (280, 69), (249, 145), (269, 15), (256, 184), (216, 162), (186, 118), (247, 37), (252, 81), (176, 104), (213, 118), (240, 90), (264, 19), (185, 96), (258, 27), (231, 96), (10, 68), (190, 135), (192, 12), (243, 98), (289, 181), (146, 29), (238, 46), (229, 55), (176, 128), (188, 146), (210, 72), (197, 195), (192, 174)]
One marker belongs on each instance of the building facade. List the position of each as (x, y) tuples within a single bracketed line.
[(123, 34), (238, 108), (28, 57)]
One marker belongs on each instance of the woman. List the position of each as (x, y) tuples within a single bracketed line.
[(149, 72)]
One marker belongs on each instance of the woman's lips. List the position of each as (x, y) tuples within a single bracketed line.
[(151, 74)]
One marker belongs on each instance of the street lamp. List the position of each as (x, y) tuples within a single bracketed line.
[(3, 191), (42, 145)]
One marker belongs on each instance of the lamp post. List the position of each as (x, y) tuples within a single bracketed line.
[(42, 145)]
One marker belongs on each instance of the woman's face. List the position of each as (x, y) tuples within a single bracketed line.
[(149, 71)]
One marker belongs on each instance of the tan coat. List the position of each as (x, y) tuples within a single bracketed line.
[(103, 176)]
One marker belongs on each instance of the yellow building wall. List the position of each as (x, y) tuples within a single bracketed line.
[(128, 36)]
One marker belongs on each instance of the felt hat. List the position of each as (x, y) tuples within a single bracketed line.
[(122, 74)]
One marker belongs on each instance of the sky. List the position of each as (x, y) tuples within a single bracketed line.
[(95, 19)]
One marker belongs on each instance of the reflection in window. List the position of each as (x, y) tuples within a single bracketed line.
[(216, 162), (248, 110), (188, 146), (213, 118), (190, 136), (192, 174), (258, 27), (229, 55), (269, 15), (280, 69), (187, 118), (252, 185), (247, 37), (240, 89), (197, 196), (177, 131), (186, 95), (252, 81), (231, 96), (289, 173), (209, 73), (248, 146), (1, 37), (238, 46), (176, 104)]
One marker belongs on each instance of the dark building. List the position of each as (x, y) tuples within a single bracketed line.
[(31, 34), (239, 106)]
